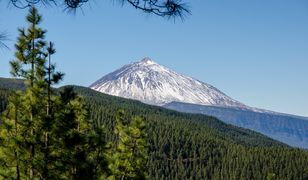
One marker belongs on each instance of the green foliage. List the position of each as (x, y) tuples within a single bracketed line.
[(128, 159), (45, 134), (11, 152), (189, 146), (79, 147), (23, 122), (193, 146)]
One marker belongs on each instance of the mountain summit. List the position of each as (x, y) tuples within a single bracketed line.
[(155, 84)]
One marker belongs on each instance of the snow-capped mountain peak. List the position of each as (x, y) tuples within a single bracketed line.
[(151, 83)]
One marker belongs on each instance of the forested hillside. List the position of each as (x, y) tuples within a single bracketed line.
[(184, 146), (187, 146), (290, 129)]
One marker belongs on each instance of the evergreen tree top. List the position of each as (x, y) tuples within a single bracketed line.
[(33, 17)]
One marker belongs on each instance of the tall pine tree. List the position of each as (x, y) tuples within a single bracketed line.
[(30, 58)]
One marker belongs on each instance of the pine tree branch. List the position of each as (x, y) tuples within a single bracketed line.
[(3, 37), (163, 8)]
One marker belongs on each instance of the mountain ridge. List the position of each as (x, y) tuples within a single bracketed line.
[(290, 129)]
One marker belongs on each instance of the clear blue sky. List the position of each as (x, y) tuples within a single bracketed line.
[(255, 51)]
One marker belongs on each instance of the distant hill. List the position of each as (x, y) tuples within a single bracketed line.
[(13, 84), (195, 146), (290, 129)]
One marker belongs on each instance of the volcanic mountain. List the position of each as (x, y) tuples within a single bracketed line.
[(154, 84)]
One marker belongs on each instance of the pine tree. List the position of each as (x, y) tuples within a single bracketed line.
[(128, 159), (29, 63), (72, 130), (45, 135)]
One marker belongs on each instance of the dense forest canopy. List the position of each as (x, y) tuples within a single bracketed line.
[(184, 146)]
